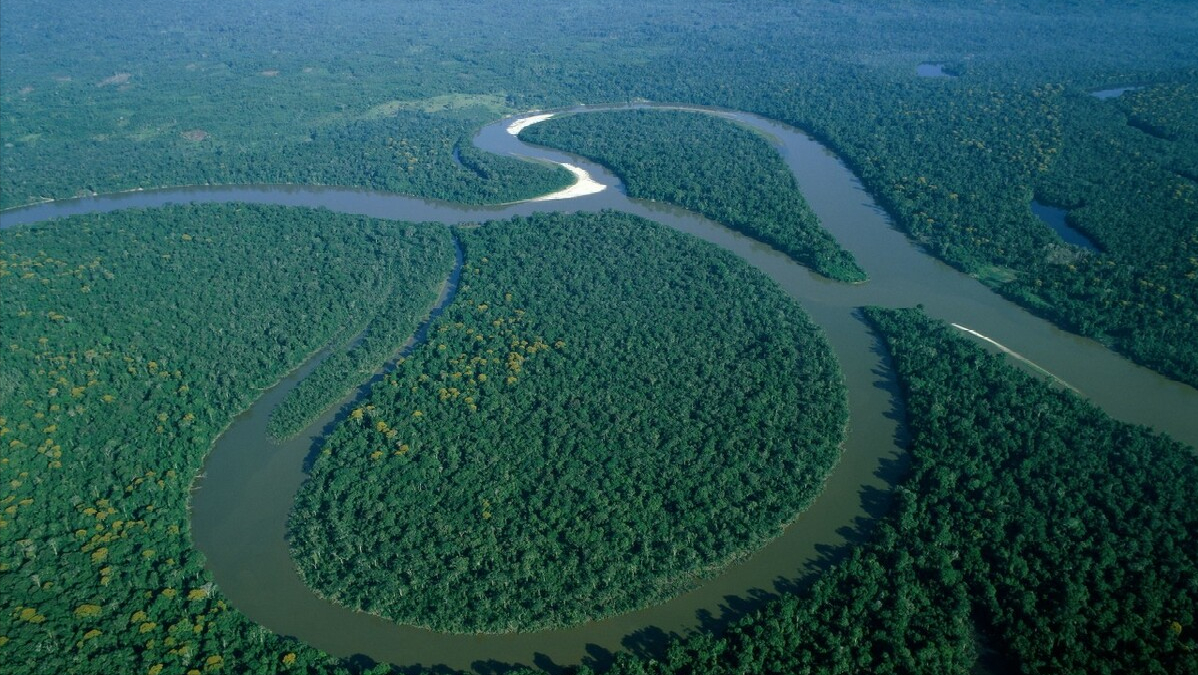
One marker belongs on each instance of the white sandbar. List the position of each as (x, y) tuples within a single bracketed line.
[(583, 186), (520, 124), (1014, 354)]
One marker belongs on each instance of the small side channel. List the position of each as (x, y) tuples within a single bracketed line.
[(344, 407), (248, 487), (1058, 220)]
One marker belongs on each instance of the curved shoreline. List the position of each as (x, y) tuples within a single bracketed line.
[(584, 183), (902, 276), (1016, 355), (784, 562), (525, 120)]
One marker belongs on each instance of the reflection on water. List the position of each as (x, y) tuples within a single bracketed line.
[(1057, 220), (1113, 92)]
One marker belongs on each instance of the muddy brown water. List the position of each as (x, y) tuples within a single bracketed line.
[(241, 502)]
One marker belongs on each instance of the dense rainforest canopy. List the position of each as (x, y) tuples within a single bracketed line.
[(597, 422), (1033, 534), (387, 95), (711, 166), (382, 95), (130, 340), (404, 296)]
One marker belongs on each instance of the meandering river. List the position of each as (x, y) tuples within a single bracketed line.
[(241, 504)]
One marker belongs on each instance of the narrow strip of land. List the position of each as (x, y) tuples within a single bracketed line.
[(583, 185), (1017, 356)]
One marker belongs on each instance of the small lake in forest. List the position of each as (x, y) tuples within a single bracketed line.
[(1113, 92), (1057, 219), (932, 70)]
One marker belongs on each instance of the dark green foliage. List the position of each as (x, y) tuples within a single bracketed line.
[(1034, 533), (1013, 126), (406, 151), (1074, 533), (1166, 111), (407, 290), (411, 152), (958, 162), (1128, 190), (130, 340), (428, 73), (595, 424), (712, 166)]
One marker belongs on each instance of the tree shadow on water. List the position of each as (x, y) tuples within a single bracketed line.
[(361, 664), (598, 658), (733, 609), (875, 501), (494, 667), (545, 663), (415, 669), (649, 642)]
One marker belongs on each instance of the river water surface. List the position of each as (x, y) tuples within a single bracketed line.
[(241, 504)]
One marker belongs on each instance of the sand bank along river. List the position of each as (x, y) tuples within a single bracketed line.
[(240, 507)]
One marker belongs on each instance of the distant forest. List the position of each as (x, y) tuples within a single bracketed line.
[(383, 95), (1033, 534)]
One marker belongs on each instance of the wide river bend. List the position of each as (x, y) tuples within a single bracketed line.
[(241, 503)]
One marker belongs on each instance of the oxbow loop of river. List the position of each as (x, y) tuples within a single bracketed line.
[(241, 504)]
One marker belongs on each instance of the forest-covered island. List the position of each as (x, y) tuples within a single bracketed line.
[(597, 423)]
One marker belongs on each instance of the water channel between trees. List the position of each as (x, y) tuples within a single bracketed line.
[(240, 506)]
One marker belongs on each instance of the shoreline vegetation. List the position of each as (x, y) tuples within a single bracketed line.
[(706, 164), (409, 152), (583, 185), (1042, 536), (1017, 356), (1029, 528), (1181, 624), (523, 388), (103, 464), (410, 292)]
